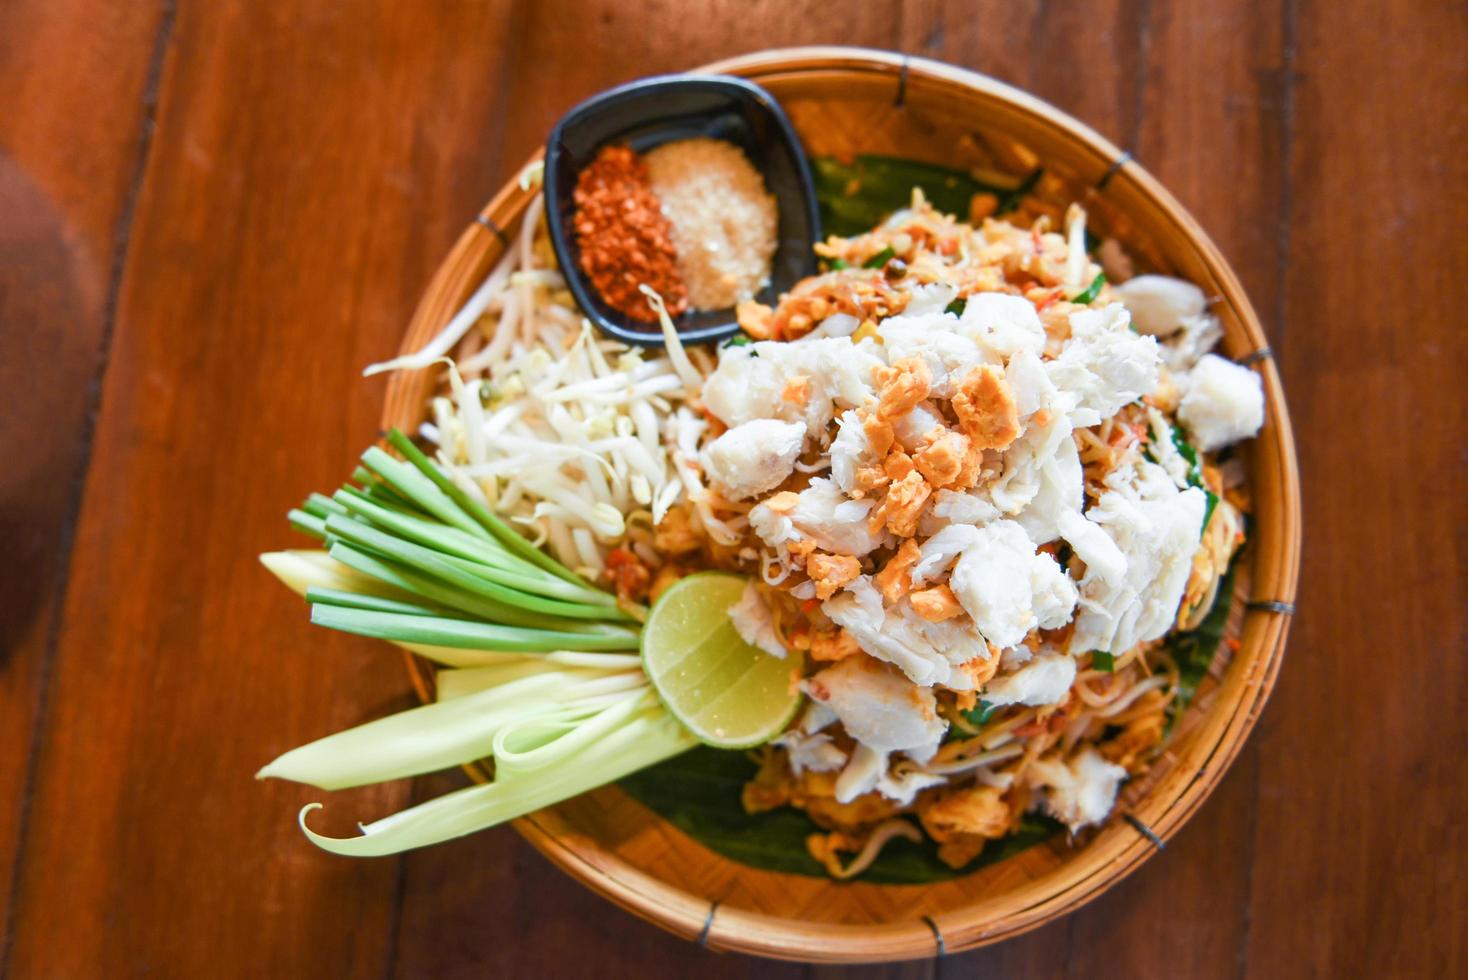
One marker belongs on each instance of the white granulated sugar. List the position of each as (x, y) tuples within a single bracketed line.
[(724, 221)]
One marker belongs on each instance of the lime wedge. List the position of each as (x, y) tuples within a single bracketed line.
[(727, 693)]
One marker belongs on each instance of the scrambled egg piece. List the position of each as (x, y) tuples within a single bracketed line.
[(985, 408), (901, 386), (936, 604), (943, 459), (895, 578), (832, 644), (902, 505), (831, 572)]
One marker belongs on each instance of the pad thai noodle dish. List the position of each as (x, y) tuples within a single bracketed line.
[(925, 552)]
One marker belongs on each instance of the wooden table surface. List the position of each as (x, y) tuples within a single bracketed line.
[(212, 214)]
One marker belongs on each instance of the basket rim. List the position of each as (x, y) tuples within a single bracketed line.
[(732, 929)]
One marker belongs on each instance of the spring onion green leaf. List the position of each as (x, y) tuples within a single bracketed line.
[(1101, 660), (1091, 291), (880, 259), (408, 483), (836, 265), (956, 307), (980, 713)]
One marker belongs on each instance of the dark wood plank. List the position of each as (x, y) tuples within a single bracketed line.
[(1360, 861), (310, 166), (71, 137), (553, 71)]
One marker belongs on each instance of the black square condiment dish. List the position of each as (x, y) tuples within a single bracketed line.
[(645, 114)]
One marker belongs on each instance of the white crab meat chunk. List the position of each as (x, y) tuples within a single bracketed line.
[(862, 773), (1029, 384), (1154, 527), (1199, 335), (1043, 679), (877, 706), (813, 752), (930, 297), (754, 457), (1159, 305), (849, 450), (1002, 325), (939, 551), (955, 640), (1164, 450), (904, 788), (963, 507), (1104, 365), (751, 381), (1222, 403), (1009, 588), (1104, 560), (1045, 451), (1059, 490), (892, 638), (836, 523), (1079, 793), (934, 337), (754, 622), (913, 429)]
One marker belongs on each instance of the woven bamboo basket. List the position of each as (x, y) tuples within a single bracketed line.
[(845, 100)]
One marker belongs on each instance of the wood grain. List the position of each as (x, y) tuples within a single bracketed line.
[(309, 168), (72, 136), (300, 189), (1362, 776)]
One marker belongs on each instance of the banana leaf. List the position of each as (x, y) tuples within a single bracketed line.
[(699, 793)]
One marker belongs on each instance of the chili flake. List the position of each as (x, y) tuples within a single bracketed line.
[(624, 239)]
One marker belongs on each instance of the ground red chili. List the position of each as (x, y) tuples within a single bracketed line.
[(623, 237)]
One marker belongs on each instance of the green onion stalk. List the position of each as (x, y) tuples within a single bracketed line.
[(540, 671)]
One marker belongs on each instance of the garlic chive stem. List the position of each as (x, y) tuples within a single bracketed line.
[(353, 600), (419, 490), (308, 524), (475, 581), (600, 605), (319, 505), (505, 534), (473, 554), (440, 631), (408, 580)]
